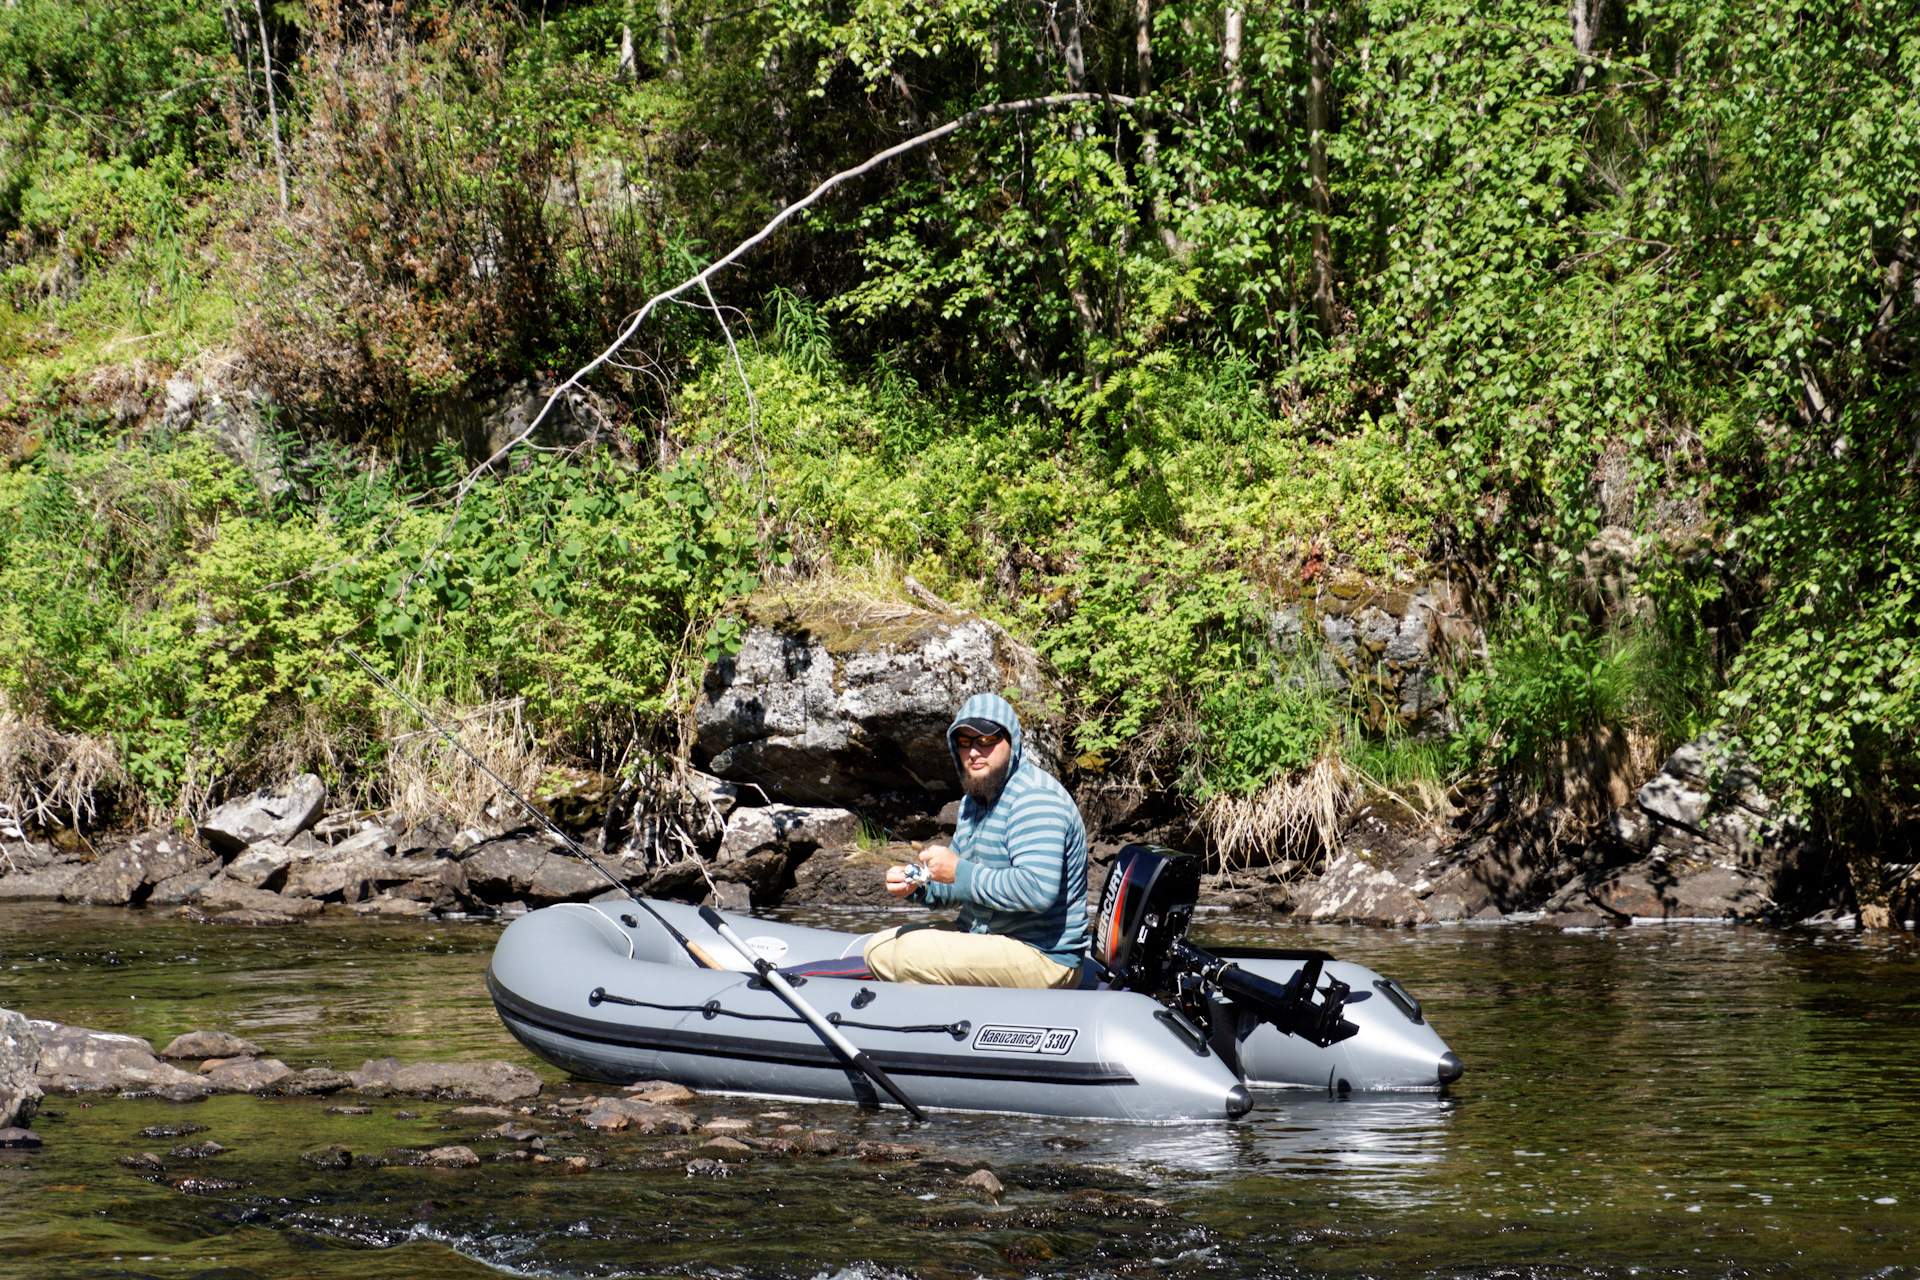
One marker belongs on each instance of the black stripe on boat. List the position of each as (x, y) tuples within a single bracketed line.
[(667, 1040)]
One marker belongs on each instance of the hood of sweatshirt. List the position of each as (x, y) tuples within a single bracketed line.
[(987, 706)]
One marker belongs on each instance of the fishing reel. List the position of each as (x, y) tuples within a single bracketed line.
[(1140, 940)]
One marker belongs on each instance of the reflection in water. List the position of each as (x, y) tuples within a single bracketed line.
[(1693, 1101)]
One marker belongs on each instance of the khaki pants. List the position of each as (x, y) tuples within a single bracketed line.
[(944, 955)]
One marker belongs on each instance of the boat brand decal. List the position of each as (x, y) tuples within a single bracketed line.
[(767, 948), (998, 1038)]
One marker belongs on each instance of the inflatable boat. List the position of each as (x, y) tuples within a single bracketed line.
[(1160, 1031)]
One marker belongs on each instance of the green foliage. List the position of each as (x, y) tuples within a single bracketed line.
[(147, 593), (1067, 365)]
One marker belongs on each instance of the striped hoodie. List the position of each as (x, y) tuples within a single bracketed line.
[(1023, 859)]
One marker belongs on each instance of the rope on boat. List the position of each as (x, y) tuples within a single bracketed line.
[(714, 1009)]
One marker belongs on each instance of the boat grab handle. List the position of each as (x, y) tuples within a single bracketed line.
[(714, 1009)]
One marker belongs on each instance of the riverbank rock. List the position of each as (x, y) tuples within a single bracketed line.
[(1353, 889), (856, 879), (827, 701), (272, 815), (497, 1082), (19, 1065), (787, 827), (45, 883), (1384, 641), (231, 895), (1700, 840), (121, 877), (80, 1060)]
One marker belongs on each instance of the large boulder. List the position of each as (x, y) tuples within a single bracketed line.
[(79, 1060), (19, 1064), (273, 815), (834, 701)]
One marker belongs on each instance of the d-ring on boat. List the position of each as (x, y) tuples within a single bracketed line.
[(1167, 1033)]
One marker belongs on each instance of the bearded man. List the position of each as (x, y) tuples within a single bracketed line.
[(1017, 869)]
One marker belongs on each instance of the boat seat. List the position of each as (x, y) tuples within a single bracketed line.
[(847, 967)]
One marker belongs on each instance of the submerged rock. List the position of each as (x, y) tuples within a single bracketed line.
[(208, 1044), (330, 1157)]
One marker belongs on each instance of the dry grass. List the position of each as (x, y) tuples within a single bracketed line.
[(49, 778), (1293, 816), (426, 780)]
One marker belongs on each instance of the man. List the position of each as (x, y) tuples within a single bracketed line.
[(1017, 869)]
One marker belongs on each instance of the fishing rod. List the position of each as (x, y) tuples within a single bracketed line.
[(772, 977), (573, 846)]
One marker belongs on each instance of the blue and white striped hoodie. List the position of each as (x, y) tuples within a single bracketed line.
[(1023, 859)]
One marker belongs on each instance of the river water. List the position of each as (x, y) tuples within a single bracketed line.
[(1670, 1101)]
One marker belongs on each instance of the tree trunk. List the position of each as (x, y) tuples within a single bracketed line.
[(1319, 89), (273, 107), (1149, 131), (1583, 16), (669, 45), (1236, 24), (623, 68)]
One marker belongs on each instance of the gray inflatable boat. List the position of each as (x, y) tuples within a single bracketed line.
[(1168, 1033)]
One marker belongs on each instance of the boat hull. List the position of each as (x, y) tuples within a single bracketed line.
[(601, 991)]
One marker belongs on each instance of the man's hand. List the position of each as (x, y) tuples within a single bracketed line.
[(939, 862), (897, 883)]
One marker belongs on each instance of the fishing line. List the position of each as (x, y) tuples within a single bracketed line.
[(573, 846)]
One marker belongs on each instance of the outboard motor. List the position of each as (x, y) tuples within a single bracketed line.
[(1140, 940)]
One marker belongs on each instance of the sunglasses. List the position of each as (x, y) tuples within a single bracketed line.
[(983, 741)]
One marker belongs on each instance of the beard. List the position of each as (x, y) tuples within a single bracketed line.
[(985, 787)]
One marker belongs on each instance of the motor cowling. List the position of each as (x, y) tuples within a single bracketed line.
[(1145, 906)]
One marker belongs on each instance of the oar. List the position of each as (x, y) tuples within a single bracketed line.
[(574, 847), (828, 1032)]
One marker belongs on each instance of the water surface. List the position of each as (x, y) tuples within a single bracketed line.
[(1675, 1101)]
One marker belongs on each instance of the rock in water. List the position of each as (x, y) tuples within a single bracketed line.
[(19, 1063), (77, 1060), (453, 1157), (834, 704), (273, 815), (248, 1076), (496, 1081)]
